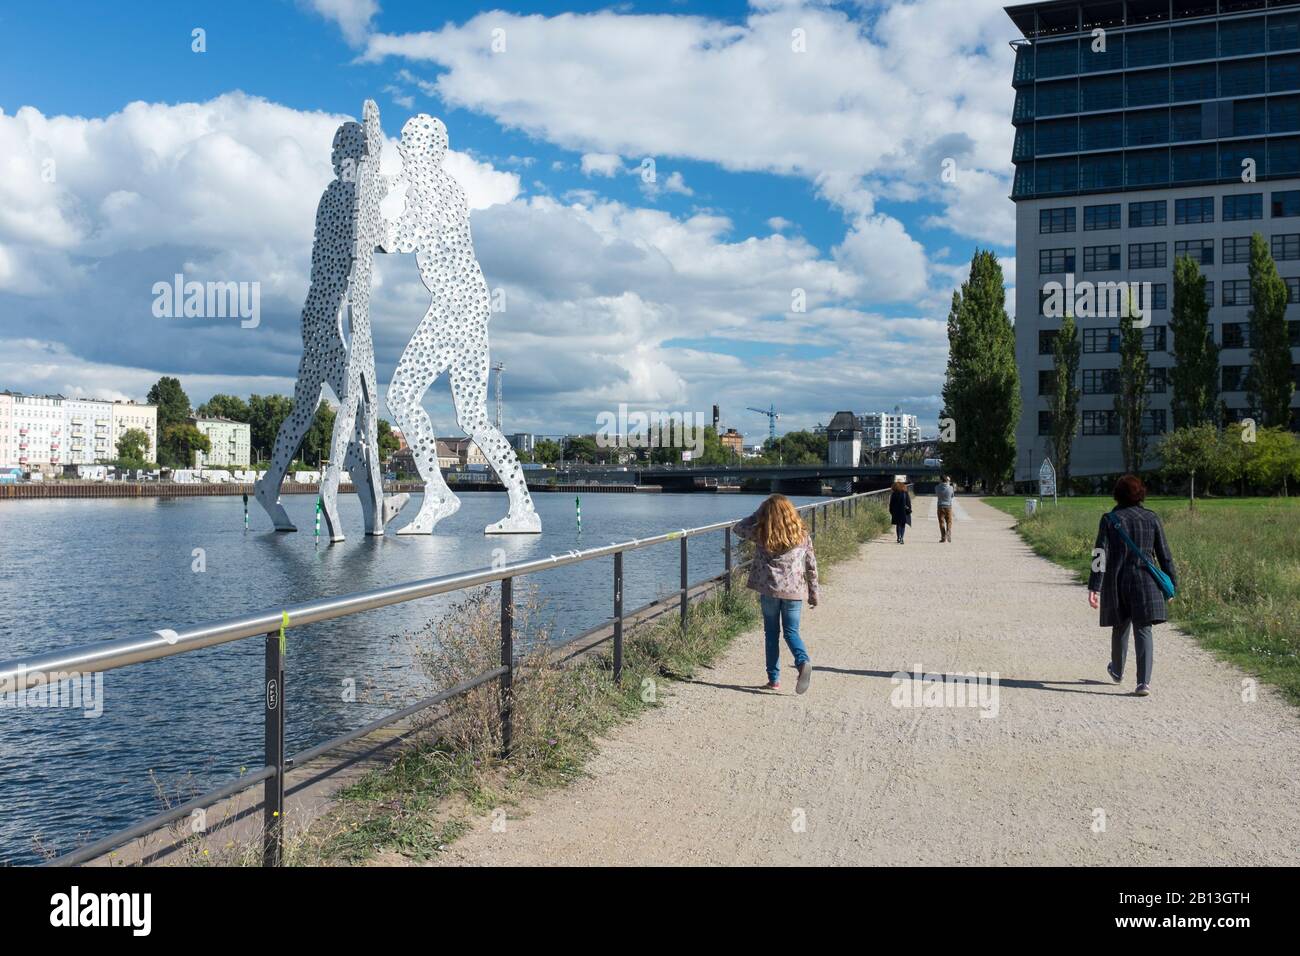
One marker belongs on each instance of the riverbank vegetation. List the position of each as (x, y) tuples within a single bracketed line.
[(1238, 562)]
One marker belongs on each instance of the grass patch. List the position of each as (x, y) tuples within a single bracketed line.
[(1238, 563), (425, 798)]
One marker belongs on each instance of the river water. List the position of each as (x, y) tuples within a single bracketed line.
[(74, 571)]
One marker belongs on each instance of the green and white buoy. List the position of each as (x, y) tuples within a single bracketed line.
[(577, 501)]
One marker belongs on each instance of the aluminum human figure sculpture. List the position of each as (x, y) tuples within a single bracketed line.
[(453, 335), (337, 347)]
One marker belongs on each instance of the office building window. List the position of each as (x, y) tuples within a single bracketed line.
[(1153, 422), (1044, 423), (1283, 73), (1104, 422), (1101, 132), (1141, 214), (1236, 335), (1150, 167), (1056, 136), (1042, 303), (1100, 258), (1157, 380), (1057, 99), (1189, 211), (1159, 295), (1209, 295), (1244, 206), (1098, 93), (1056, 220), (1236, 292), (1100, 340), (1236, 250), (1052, 261), (1286, 247), (1292, 290), (1046, 341), (1239, 37), (1234, 378), (1143, 89), (1241, 78), (1286, 203), (1107, 340), (1202, 250), (1101, 217), (1148, 255), (1099, 381), (1046, 382)]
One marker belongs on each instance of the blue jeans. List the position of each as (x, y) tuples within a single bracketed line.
[(781, 614)]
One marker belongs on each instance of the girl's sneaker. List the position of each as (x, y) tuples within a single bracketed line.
[(1143, 690), (805, 678), (771, 685)]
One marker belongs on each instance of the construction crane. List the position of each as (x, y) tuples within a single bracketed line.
[(772, 416), (498, 367)]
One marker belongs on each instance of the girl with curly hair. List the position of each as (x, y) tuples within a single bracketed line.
[(784, 573)]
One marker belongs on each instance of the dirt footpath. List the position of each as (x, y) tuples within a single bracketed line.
[(1053, 764)]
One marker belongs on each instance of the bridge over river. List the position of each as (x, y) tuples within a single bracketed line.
[(790, 479)]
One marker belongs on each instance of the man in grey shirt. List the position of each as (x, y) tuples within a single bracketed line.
[(944, 493)]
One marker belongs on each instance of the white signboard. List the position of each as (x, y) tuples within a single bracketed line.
[(1047, 480)]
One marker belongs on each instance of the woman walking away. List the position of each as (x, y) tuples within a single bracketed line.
[(900, 508), (784, 573), (1125, 582)]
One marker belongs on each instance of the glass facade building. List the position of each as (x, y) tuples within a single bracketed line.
[(1146, 130)]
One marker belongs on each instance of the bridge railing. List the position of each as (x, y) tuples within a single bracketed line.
[(19, 675)]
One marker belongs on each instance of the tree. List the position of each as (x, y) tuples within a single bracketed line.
[(581, 448), (388, 443), (1188, 451), (225, 406), (182, 441), (1131, 393), (173, 404), (1235, 449), (133, 445), (547, 451), (1275, 459), (1064, 400), (173, 413), (1194, 376), (796, 448), (315, 445), (265, 415), (1270, 382), (981, 391)]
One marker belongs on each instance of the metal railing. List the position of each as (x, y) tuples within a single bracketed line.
[(19, 675)]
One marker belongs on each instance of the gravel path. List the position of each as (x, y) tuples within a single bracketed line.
[(1072, 769)]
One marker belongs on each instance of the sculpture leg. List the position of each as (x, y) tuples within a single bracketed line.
[(420, 364), (306, 395), (344, 425), (359, 470), (469, 383), (380, 510)]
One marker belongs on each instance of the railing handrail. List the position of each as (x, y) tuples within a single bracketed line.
[(25, 672)]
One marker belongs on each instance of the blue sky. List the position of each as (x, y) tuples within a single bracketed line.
[(779, 171)]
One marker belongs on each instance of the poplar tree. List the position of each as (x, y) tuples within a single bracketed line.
[(1131, 393), (981, 390), (1194, 376), (1270, 383), (1064, 400)]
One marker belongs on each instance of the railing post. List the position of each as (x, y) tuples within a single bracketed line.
[(508, 662), (684, 584), (813, 533), (273, 788), (618, 616), (726, 559)]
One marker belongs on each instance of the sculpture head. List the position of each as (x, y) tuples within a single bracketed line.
[(349, 147), (424, 138)]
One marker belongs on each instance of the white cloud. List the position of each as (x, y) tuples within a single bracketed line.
[(352, 16), (601, 164), (870, 105)]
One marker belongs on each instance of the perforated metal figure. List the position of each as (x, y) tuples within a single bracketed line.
[(453, 335), (337, 347)]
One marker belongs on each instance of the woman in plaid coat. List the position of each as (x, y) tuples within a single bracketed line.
[(1121, 585)]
